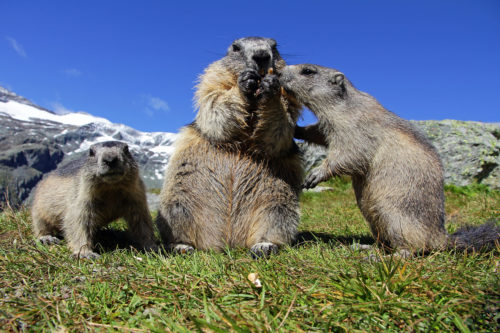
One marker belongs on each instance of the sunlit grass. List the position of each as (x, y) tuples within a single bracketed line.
[(318, 285)]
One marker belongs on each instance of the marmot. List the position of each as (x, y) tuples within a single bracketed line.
[(397, 174), (236, 174), (89, 193)]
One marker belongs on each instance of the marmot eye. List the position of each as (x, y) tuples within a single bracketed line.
[(236, 48), (307, 71), (91, 152)]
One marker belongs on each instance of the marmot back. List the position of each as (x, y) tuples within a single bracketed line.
[(396, 172), (89, 193), (235, 175)]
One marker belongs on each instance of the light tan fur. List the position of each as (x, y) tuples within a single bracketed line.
[(396, 172), (80, 199), (235, 175)]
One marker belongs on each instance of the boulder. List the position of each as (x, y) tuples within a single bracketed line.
[(470, 151)]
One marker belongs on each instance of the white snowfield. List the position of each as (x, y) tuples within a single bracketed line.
[(157, 142), (164, 149), (25, 112)]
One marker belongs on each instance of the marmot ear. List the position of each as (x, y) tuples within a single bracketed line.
[(338, 78)]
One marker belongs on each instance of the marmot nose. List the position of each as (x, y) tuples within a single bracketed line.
[(262, 58), (111, 161)]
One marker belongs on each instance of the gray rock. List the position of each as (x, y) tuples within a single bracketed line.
[(153, 201), (16, 184), (22, 166), (470, 150)]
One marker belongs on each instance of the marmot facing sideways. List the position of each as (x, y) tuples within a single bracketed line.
[(89, 193), (235, 175), (396, 173)]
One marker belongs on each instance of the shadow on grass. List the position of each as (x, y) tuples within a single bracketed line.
[(108, 240), (307, 237)]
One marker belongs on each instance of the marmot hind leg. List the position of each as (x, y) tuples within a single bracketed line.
[(78, 231), (44, 232), (181, 248), (48, 240), (141, 229), (173, 222), (279, 227), (263, 250), (398, 231)]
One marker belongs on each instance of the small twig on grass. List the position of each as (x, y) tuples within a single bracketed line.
[(287, 311), (117, 327)]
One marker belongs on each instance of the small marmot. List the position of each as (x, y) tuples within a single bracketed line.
[(236, 174), (397, 174), (89, 193)]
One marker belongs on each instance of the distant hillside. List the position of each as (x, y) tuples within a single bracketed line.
[(34, 141)]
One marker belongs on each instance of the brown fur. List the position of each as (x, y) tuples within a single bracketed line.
[(88, 194), (397, 174), (235, 175)]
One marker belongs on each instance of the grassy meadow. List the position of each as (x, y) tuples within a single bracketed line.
[(319, 284)]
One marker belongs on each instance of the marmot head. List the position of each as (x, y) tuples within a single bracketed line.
[(313, 85), (258, 53), (111, 161)]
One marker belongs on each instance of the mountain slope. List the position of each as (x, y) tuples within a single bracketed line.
[(34, 141)]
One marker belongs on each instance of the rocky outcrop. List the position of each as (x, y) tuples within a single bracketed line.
[(26, 155), (22, 167), (470, 150)]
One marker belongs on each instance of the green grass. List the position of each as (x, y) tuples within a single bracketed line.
[(155, 190), (320, 285)]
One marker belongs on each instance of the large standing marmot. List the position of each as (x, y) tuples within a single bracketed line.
[(235, 175), (397, 174), (89, 193)]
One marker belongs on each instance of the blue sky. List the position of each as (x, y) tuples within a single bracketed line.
[(136, 62)]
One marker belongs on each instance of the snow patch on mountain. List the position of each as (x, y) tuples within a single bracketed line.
[(163, 149), (21, 111), (73, 134)]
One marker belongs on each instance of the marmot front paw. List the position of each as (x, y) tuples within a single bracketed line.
[(248, 81), (314, 177), (269, 87)]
